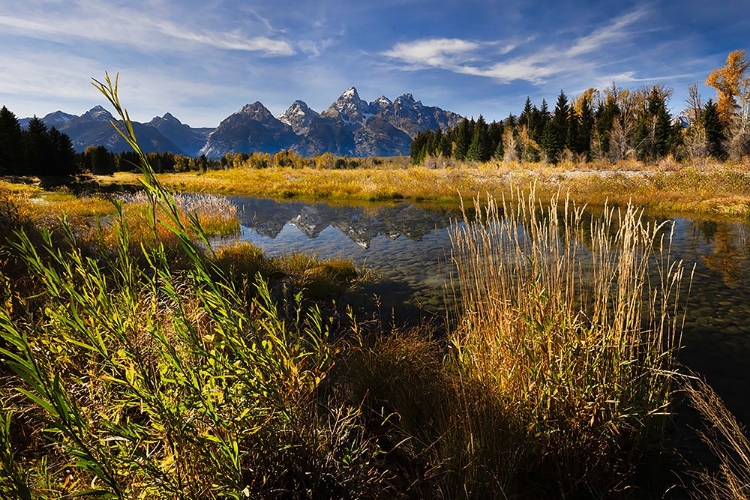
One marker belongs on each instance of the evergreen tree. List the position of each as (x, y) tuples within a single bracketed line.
[(653, 135), (462, 140), (63, 160), (11, 144), (38, 149), (99, 160), (479, 149), (714, 128), (496, 137), (499, 151), (606, 115), (418, 148), (525, 116), (555, 135), (445, 148), (585, 117), (539, 124), (433, 147)]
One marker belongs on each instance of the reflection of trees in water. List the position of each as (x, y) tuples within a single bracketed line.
[(730, 256), (361, 224)]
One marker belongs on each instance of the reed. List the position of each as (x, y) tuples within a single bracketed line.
[(726, 439), (572, 323)]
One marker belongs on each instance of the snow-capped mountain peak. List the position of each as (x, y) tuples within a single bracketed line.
[(98, 113), (298, 116), (349, 107)]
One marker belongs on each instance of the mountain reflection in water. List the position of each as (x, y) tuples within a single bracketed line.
[(361, 224)]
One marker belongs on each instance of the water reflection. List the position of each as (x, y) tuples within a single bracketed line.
[(405, 244), (359, 223), (409, 246)]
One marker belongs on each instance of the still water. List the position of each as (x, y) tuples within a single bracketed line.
[(408, 246)]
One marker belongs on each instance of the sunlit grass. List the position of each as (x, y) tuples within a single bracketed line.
[(573, 324), (709, 188)]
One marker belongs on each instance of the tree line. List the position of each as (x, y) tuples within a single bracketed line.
[(35, 150), (612, 125), (43, 152)]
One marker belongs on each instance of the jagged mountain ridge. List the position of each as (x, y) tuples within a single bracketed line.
[(349, 126)]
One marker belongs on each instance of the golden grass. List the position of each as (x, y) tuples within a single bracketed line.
[(711, 188), (574, 322)]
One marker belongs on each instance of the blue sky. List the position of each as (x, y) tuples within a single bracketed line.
[(203, 60)]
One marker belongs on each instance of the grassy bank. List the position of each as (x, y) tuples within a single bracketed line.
[(683, 188)]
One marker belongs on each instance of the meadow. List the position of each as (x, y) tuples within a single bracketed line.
[(141, 362), (707, 188)]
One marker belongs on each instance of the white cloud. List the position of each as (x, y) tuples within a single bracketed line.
[(434, 52), (537, 65), (612, 33), (230, 41), (126, 27), (531, 69)]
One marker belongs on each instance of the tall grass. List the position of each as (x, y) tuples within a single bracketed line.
[(727, 441), (573, 325)]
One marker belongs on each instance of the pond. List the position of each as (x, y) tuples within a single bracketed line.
[(408, 246)]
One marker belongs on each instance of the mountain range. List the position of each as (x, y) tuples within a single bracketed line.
[(350, 126)]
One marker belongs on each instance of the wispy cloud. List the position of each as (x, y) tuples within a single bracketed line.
[(539, 63), (230, 41), (123, 27), (615, 32)]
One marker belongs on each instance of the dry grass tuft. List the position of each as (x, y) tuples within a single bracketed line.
[(574, 323), (726, 439)]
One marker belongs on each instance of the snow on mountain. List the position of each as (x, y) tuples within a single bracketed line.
[(97, 113), (299, 116), (349, 108)]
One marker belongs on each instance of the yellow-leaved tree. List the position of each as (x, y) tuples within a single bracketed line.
[(730, 82)]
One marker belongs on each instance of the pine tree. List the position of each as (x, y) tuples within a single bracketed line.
[(714, 130), (585, 117), (496, 137), (446, 146), (479, 149), (653, 134), (11, 144), (556, 132), (462, 140), (433, 147), (417, 150), (606, 115), (525, 116), (38, 149), (63, 160), (99, 160), (539, 124)]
